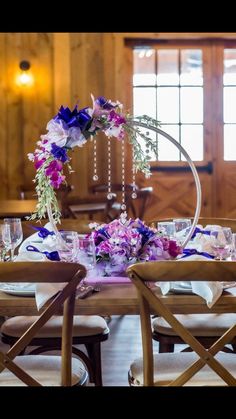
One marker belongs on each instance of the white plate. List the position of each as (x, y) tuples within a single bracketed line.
[(14, 290)]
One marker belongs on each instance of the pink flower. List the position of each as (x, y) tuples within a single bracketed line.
[(54, 166), (38, 162), (56, 179)]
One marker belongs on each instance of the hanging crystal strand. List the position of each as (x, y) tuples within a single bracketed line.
[(123, 205), (109, 193), (134, 194), (147, 151), (95, 176)]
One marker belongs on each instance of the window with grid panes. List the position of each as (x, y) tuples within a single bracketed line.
[(168, 85)]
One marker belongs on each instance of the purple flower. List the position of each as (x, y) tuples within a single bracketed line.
[(38, 162), (59, 153), (54, 166), (83, 119), (116, 118), (104, 103), (124, 243), (68, 116), (56, 179)]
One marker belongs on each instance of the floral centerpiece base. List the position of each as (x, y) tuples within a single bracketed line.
[(124, 242)]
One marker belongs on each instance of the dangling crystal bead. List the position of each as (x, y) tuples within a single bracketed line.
[(95, 176), (109, 195), (134, 195), (123, 207)]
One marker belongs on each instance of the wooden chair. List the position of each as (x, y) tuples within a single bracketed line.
[(87, 330), (74, 206), (136, 207), (40, 370), (197, 368), (205, 327)]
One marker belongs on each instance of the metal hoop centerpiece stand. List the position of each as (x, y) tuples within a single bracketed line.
[(193, 169)]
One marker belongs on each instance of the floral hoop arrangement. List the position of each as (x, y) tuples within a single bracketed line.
[(69, 129)]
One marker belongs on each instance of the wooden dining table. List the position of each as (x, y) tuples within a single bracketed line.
[(122, 299), (17, 208)]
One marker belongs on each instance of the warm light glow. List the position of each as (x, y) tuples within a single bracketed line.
[(25, 78)]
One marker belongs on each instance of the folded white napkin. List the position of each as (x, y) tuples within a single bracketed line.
[(48, 244), (210, 291), (43, 292), (202, 242)]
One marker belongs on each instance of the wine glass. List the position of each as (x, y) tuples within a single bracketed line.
[(5, 240), (221, 242), (16, 233), (182, 227), (67, 247), (86, 254), (167, 228)]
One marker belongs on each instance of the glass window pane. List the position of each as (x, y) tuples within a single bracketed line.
[(229, 104), (191, 100), (167, 151), (230, 142), (168, 104), (191, 67), (229, 66), (144, 67), (145, 101), (192, 141), (167, 65)]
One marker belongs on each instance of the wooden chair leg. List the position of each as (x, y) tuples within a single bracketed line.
[(166, 347), (94, 353)]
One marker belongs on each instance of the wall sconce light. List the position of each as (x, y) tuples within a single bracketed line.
[(25, 78)]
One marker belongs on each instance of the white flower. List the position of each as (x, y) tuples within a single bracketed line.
[(30, 156), (113, 131), (56, 134), (76, 138)]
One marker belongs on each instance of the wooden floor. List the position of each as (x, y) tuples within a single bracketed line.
[(122, 347)]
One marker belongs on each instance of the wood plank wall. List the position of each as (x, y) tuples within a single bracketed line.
[(67, 68)]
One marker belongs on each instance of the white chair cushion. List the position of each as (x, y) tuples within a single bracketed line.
[(169, 366), (83, 326), (46, 369), (198, 324)]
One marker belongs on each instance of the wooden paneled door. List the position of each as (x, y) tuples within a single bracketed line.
[(190, 86)]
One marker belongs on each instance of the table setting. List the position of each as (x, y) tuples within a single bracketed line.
[(110, 248)]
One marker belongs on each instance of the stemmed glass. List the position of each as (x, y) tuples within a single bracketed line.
[(5, 240), (67, 247), (167, 228), (86, 252), (16, 233), (221, 242), (182, 227)]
